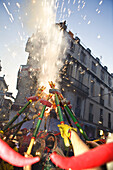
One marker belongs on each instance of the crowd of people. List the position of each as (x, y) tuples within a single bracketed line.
[(45, 144)]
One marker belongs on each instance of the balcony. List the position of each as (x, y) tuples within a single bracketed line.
[(76, 84)]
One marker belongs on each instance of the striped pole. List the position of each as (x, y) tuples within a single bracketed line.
[(17, 124), (59, 109), (68, 118), (16, 116), (17, 130), (37, 128), (76, 122)]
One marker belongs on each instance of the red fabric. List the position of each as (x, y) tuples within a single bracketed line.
[(93, 158)]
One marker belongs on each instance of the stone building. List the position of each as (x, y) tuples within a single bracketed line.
[(85, 82), (26, 87), (5, 101), (89, 87)]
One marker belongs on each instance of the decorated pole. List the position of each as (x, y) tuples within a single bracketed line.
[(48, 104), (59, 109), (39, 121), (66, 108), (76, 122), (17, 130), (17, 124), (20, 124), (68, 118), (36, 130), (53, 90), (16, 116)]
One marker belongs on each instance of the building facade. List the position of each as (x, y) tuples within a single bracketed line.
[(85, 82), (5, 101), (89, 87)]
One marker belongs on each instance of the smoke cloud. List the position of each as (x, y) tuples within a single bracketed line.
[(47, 46)]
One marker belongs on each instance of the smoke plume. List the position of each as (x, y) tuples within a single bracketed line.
[(47, 46)]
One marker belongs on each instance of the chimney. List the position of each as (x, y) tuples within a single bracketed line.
[(105, 68), (77, 39), (71, 34)]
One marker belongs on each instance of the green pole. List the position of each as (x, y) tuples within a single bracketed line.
[(68, 118), (76, 122), (18, 124), (16, 116), (36, 130), (17, 130), (59, 109), (39, 121)]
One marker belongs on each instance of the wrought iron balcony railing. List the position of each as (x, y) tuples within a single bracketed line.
[(75, 83)]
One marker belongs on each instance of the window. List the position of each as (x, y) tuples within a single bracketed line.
[(70, 69), (109, 99), (101, 92), (92, 88), (83, 57), (109, 120), (72, 47), (102, 75), (91, 112), (101, 96), (101, 116), (78, 107), (81, 76), (109, 81), (93, 68)]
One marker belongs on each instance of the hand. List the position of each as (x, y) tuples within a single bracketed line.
[(26, 155), (66, 132), (66, 129), (27, 167), (92, 144)]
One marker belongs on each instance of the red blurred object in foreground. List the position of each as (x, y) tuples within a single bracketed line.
[(93, 158), (13, 157)]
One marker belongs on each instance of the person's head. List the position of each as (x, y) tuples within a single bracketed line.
[(19, 136), (50, 141)]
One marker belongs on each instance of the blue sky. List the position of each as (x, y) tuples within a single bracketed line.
[(90, 20)]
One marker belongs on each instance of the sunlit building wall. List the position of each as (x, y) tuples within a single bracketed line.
[(5, 101)]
